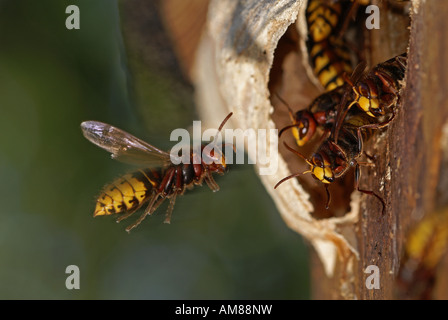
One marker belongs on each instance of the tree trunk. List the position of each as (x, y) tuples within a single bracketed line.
[(410, 158)]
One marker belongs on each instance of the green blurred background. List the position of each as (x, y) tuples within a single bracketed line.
[(231, 244)]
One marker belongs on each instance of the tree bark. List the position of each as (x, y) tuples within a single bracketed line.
[(410, 159)]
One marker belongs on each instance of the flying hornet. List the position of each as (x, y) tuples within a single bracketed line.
[(159, 178)]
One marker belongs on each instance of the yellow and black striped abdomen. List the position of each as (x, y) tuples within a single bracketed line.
[(127, 193), (330, 59), (322, 18)]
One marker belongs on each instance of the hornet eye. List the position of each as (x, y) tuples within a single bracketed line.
[(364, 90), (317, 160), (304, 129)]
